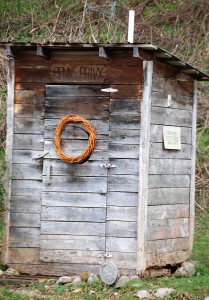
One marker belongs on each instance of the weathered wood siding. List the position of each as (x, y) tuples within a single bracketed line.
[(85, 211), (168, 208)]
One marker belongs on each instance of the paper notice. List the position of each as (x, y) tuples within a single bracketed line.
[(172, 137)]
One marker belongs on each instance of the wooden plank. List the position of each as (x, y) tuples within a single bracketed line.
[(169, 181), (125, 121), (26, 188), (24, 255), (28, 141), (9, 158), (122, 199), (169, 166), (170, 116), (157, 151), (60, 167), (91, 108), (27, 171), (123, 183), (156, 134), (71, 256), (72, 228), (168, 196), (121, 229), (164, 70), (124, 166), (28, 110), (99, 153), (53, 269), (123, 151), (75, 184), (76, 131), (164, 259), (177, 101), (124, 261), (25, 220), (124, 136), (130, 106), (24, 125), (29, 97), (30, 85), (70, 242), (193, 158), (115, 244), (172, 86), (167, 246), (26, 157), (62, 73), (143, 167), (161, 212), (24, 237), (122, 213), (81, 90), (22, 205), (73, 199), (72, 214), (167, 229), (72, 57), (123, 91)]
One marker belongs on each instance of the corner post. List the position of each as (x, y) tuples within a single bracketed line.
[(144, 166), (193, 159), (9, 146)]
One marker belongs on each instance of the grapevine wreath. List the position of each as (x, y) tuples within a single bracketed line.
[(91, 141)]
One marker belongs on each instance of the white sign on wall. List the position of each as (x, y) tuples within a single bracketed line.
[(172, 137)]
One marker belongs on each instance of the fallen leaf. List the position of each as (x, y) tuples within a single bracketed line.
[(77, 291)]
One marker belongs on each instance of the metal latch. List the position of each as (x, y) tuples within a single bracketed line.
[(107, 166), (40, 155)]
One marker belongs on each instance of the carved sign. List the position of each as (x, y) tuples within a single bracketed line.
[(108, 273), (80, 74)]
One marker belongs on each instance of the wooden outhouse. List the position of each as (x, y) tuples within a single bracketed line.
[(132, 201)]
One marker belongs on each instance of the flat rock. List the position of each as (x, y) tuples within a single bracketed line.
[(187, 269), (92, 278), (122, 281), (12, 272), (76, 280), (163, 292), (143, 294), (64, 279)]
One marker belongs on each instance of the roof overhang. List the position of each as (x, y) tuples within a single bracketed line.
[(139, 49)]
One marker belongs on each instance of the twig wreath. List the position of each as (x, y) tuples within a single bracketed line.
[(91, 141)]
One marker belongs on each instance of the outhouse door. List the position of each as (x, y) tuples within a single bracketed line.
[(89, 210)]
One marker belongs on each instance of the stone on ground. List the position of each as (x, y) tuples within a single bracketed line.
[(163, 292), (143, 294), (187, 269), (64, 279), (122, 281), (92, 278), (12, 272), (76, 280)]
